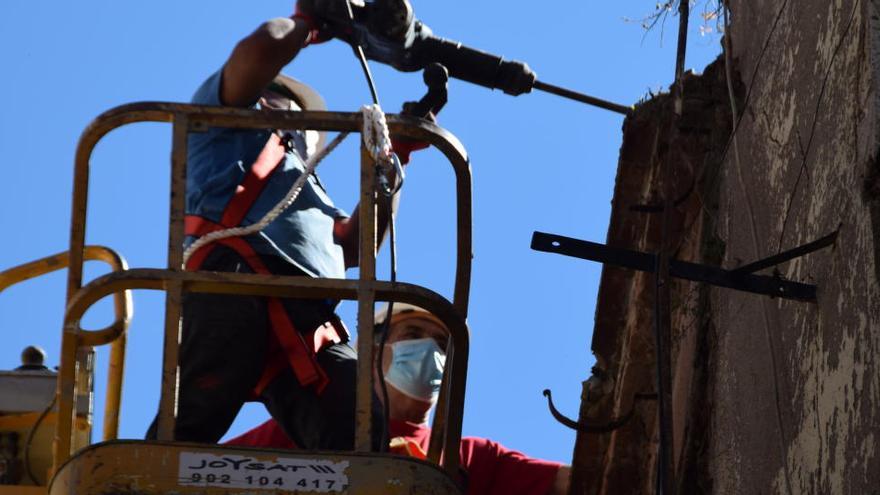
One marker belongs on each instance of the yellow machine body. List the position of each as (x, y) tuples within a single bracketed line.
[(154, 468)]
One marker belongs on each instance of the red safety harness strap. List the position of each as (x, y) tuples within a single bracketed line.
[(254, 181), (298, 348)]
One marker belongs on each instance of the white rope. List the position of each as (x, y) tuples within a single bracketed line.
[(376, 136), (377, 140)]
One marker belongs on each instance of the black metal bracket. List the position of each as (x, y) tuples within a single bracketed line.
[(739, 279), (788, 255), (603, 428)]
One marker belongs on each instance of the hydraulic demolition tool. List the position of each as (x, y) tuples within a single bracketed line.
[(389, 33)]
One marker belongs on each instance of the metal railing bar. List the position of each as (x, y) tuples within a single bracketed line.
[(364, 419), (293, 287), (206, 116), (174, 291)]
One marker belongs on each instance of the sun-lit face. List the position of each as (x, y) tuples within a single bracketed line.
[(412, 327), (418, 328)]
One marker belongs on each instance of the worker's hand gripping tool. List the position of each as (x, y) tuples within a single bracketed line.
[(388, 32), (436, 77)]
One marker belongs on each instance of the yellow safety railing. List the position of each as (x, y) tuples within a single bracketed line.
[(175, 281), (122, 307)]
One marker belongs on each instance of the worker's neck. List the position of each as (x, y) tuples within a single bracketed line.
[(405, 408)]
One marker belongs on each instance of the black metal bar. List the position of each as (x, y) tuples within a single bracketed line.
[(552, 243), (595, 428), (637, 260), (589, 100), (788, 255), (663, 346)]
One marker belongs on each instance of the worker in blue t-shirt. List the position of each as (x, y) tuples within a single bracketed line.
[(290, 354)]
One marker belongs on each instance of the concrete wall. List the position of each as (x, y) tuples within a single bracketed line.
[(770, 395)]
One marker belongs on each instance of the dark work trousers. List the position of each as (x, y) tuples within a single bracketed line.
[(224, 349)]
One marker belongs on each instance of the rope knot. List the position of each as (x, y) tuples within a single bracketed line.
[(376, 136)]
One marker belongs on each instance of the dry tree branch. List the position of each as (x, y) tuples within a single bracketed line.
[(710, 12)]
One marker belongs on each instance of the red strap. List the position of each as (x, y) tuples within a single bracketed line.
[(254, 181), (300, 355), (299, 349), (198, 226)]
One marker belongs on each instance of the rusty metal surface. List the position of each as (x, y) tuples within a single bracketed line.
[(366, 298), (66, 395), (294, 287), (23, 490), (113, 399), (165, 468), (174, 291), (188, 118), (201, 116), (438, 426)]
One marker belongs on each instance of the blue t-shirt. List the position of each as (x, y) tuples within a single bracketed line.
[(216, 165)]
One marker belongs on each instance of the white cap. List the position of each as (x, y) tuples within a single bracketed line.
[(403, 311)]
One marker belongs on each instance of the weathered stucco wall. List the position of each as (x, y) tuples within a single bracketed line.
[(796, 400), (769, 395)]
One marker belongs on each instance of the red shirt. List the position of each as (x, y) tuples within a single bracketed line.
[(491, 469)]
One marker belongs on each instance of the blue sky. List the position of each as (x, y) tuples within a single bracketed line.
[(539, 163)]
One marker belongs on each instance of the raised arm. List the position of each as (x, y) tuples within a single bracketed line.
[(259, 57)]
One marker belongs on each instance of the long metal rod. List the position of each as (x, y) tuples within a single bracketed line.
[(589, 100), (366, 300), (646, 262), (174, 291), (667, 461), (66, 392), (663, 349), (595, 429), (113, 401), (788, 255)]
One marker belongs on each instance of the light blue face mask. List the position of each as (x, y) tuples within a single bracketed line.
[(417, 368)]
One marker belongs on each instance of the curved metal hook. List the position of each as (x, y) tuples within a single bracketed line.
[(585, 428)]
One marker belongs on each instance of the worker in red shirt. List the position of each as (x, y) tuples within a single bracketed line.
[(413, 362)]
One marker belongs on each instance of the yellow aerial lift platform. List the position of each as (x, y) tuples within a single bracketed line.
[(168, 467)]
